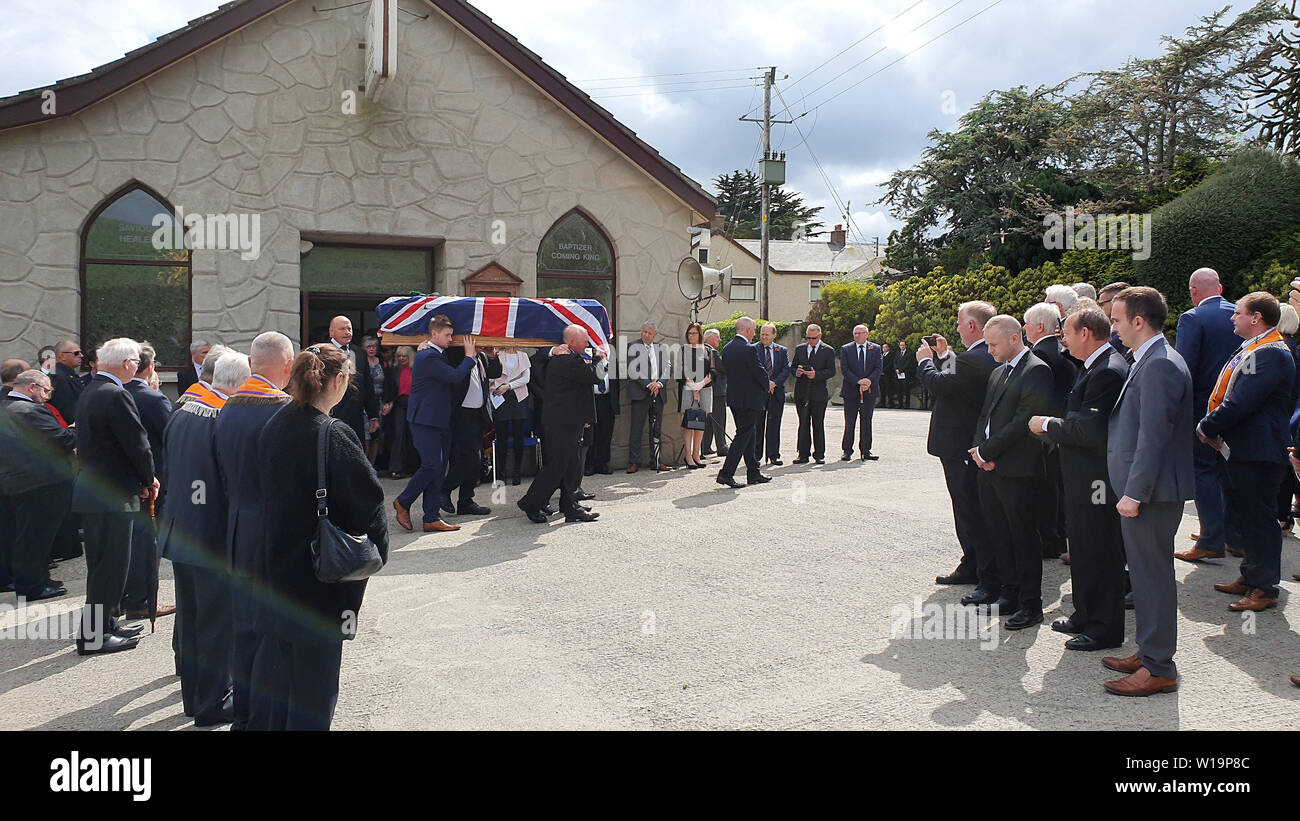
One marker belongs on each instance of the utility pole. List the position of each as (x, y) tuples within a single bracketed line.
[(769, 79)]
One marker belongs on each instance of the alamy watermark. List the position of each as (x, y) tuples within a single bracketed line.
[(1098, 232), (951, 622), (213, 232)]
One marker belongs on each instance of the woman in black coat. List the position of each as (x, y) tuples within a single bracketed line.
[(310, 619)]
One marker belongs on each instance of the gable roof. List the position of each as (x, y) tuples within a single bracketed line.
[(787, 256), (77, 93)]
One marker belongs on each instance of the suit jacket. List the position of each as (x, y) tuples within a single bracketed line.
[(958, 398), (569, 397), (37, 449), (155, 409), (433, 383), (360, 400), (1254, 418), (1064, 370), (747, 388), (493, 368), (1147, 435), (905, 361), (238, 426), (875, 364), (719, 372), (780, 366), (68, 386), (697, 363), (186, 376), (823, 362), (1012, 397), (1081, 433), (192, 530), (638, 369), (1206, 340), (112, 447)]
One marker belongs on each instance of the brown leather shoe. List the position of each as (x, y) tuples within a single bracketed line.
[(1065, 558), (1196, 554), (1232, 551), (662, 467), (633, 468), (439, 527), (1237, 588), (1255, 601), (1295, 680), (163, 610), (1296, 576), (1141, 683), (1126, 665), (403, 515)]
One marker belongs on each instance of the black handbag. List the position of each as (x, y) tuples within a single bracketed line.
[(694, 418), (338, 556)]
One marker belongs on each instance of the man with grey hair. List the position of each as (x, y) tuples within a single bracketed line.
[(155, 409), (1083, 289), (203, 387), (717, 427), (813, 364), (1041, 322), (1063, 297), (647, 373), (117, 474), (191, 371)]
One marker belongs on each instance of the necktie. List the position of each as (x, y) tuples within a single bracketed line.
[(769, 361), (862, 358)]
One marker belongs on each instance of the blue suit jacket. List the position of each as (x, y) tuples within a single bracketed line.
[(780, 366), (155, 409), (1254, 419), (852, 373), (1206, 340), (433, 383), (746, 378)]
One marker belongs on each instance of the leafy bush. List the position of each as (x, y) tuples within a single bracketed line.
[(843, 304), (727, 327)]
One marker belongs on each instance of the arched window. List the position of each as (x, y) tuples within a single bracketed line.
[(135, 275), (576, 261)]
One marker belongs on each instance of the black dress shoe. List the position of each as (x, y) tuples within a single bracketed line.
[(534, 516), (956, 578), (446, 506), (979, 597), (1067, 626), (1082, 642), (695, 465), (128, 632), (224, 716), (472, 509), (729, 482), (548, 510), (848, 457), (777, 462), (758, 479), (581, 516), (820, 461), (605, 470), (589, 472), (1023, 618), (1128, 600), (46, 591), (707, 452), (583, 496), (1004, 606), (515, 481), (870, 457), (110, 644), (802, 460)]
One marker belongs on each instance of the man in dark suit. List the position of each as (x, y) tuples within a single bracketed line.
[(154, 409), (887, 359), (67, 382), (861, 363), (359, 407), (192, 371), (1041, 321), (746, 396), (814, 363), (117, 473), (1011, 464), (958, 398), (1205, 342), (767, 425), (1092, 522), (240, 422), (570, 377), (717, 429), (433, 383), (35, 484), (1151, 471), (607, 399), (647, 373), (193, 535), (904, 374), (471, 411)]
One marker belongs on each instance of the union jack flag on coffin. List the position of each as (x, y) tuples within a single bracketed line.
[(497, 316)]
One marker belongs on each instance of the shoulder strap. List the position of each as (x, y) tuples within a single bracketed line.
[(322, 448)]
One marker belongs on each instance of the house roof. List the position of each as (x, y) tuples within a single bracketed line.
[(787, 256), (77, 93)]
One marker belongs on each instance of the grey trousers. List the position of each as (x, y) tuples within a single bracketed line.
[(1149, 546)]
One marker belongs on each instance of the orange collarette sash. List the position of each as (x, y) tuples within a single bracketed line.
[(1228, 374), (257, 386), (198, 392)]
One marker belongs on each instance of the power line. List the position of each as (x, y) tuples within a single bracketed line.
[(677, 74), (670, 83), (671, 91), (835, 197)]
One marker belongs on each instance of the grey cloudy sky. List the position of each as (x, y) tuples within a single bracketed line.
[(876, 123)]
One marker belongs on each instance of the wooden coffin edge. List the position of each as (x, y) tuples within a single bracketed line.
[(481, 341)]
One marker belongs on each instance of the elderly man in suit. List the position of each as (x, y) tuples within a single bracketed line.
[(1150, 469), (746, 395), (155, 409), (117, 473), (958, 398), (433, 383), (1011, 464), (1248, 424), (1092, 522), (767, 425), (1206, 340), (242, 418), (192, 371), (861, 362), (1041, 322), (647, 373), (814, 364), (193, 535), (359, 407), (717, 429), (67, 382), (35, 483)]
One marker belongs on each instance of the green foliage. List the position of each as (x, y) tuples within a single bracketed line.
[(1275, 279), (1224, 223), (843, 304), (727, 327), (740, 200)]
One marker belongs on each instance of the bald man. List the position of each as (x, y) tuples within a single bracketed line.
[(1206, 340), (359, 407)]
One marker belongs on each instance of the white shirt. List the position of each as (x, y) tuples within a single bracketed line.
[(1141, 350), (1207, 299), (654, 362), (352, 355), (18, 395), (474, 396), (198, 369)]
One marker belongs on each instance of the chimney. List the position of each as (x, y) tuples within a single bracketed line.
[(718, 222), (837, 235)]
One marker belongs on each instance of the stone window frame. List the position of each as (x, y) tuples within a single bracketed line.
[(83, 261), (612, 278)]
